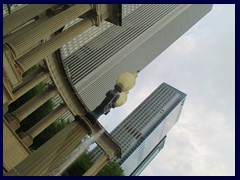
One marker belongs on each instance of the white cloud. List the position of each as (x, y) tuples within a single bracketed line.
[(201, 64), (196, 149), (203, 141), (186, 45)]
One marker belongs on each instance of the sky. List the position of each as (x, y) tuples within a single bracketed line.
[(201, 63)]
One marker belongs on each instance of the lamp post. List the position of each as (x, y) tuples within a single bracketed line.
[(116, 97)]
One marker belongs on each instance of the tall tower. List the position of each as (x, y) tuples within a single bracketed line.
[(142, 134), (149, 158), (145, 33)]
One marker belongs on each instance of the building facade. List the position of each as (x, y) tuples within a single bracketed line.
[(96, 57), (32, 37), (142, 134), (149, 158), (147, 30)]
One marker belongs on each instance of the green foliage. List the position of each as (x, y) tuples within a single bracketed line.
[(37, 115), (111, 169), (29, 70), (84, 162), (27, 96), (80, 166), (49, 132)]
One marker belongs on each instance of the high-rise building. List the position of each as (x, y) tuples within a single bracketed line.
[(142, 134), (147, 30), (149, 158)]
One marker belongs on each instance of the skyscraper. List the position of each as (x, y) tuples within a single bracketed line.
[(96, 57), (145, 33), (142, 134), (149, 158)]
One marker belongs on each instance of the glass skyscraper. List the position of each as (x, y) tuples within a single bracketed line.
[(142, 134), (96, 57), (102, 53), (149, 158)]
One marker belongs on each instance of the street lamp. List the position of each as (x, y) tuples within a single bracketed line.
[(116, 97)]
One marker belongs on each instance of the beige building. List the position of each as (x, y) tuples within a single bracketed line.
[(33, 35), (79, 50)]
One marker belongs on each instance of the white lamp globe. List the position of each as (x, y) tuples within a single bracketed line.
[(126, 80)]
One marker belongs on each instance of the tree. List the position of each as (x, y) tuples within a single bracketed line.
[(48, 133), (38, 114), (84, 162), (111, 169), (79, 167)]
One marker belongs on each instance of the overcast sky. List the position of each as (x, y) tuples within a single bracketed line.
[(201, 64)]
